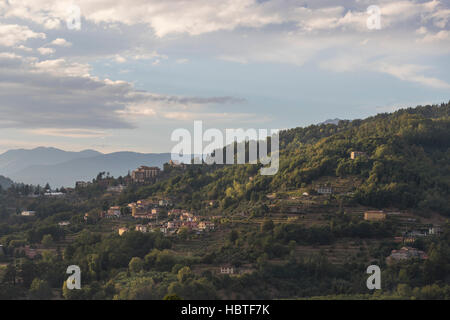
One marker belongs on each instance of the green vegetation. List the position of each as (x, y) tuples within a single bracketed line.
[(282, 239)]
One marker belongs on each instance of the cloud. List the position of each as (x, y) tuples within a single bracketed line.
[(57, 96), (443, 35), (60, 42), (62, 92), (407, 72), (46, 51), (13, 34), (69, 133), (197, 17), (413, 73)]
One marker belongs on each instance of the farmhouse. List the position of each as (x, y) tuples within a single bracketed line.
[(357, 154), (325, 190), (226, 270), (374, 215), (141, 228), (28, 213), (116, 189), (406, 253), (113, 212)]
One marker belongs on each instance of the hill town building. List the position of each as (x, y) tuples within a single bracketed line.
[(357, 154), (406, 253), (374, 215), (145, 174)]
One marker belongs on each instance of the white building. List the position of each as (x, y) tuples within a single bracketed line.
[(226, 270)]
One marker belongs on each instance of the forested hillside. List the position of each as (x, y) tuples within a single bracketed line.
[(281, 236), (5, 183), (407, 164)]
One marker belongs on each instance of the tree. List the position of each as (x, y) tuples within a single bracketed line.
[(234, 235), (183, 232), (10, 274), (47, 240), (267, 226), (28, 272), (184, 274), (40, 290), (136, 265), (403, 290)]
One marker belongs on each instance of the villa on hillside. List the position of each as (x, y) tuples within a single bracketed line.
[(406, 253), (325, 190), (357, 154), (113, 212), (227, 270), (28, 213), (82, 184), (374, 215), (141, 228), (116, 189), (145, 174), (177, 164)]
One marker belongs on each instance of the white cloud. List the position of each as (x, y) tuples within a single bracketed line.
[(197, 17), (59, 97), (70, 133), (119, 59), (406, 72), (13, 34), (441, 36), (24, 48), (46, 51), (413, 73), (60, 42), (52, 24)]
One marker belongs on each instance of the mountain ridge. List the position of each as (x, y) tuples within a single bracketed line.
[(63, 168)]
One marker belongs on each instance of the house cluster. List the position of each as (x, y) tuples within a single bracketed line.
[(82, 184), (141, 209), (406, 253), (148, 209), (113, 212), (177, 164), (178, 219), (184, 219), (413, 235)]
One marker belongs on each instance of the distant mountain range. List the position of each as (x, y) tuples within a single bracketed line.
[(331, 121), (62, 168), (5, 183)]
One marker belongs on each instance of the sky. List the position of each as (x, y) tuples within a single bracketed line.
[(122, 75)]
